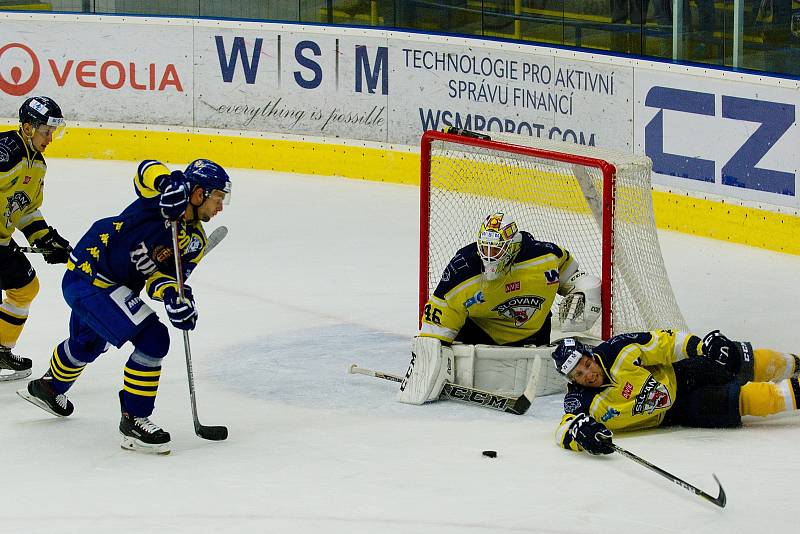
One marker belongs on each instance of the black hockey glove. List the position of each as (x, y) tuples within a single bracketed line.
[(182, 313), (590, 434), (722, 350), (174, 196), (57, 247)]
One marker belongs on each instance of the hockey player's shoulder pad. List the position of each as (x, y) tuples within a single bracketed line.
[(465, 264), (531, 248), (12, 150)]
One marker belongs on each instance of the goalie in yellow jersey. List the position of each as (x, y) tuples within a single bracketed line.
[(497, 291), (662, 378)]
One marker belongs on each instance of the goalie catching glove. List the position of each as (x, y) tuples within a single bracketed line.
[(581, 305), (431, 366)]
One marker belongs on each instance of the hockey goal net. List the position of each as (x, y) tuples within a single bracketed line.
[(595, 203)]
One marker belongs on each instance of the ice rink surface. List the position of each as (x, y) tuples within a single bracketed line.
[(318, 273)]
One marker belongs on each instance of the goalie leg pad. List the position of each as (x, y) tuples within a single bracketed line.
[(431, 366), (507, 370)]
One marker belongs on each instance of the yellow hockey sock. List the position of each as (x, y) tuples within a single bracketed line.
[(774, 366), (765, 398), (14, 311)]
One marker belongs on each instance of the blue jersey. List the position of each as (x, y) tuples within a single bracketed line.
[(134, 248)]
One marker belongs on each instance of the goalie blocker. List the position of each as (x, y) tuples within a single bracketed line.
[(506, 371)]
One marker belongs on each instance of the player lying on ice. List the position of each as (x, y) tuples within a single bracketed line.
[(663, 378), (497, 291), (113, 262)]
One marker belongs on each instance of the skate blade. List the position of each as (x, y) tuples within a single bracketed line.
[(15, 375), (37, 402), (133, 444)]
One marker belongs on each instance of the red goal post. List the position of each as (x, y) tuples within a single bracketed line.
[(595, 203)]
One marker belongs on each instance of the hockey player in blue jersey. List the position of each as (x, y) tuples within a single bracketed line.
[(109, 267)]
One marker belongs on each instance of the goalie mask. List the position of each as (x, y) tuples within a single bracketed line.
[(499, 242), (568, 355)]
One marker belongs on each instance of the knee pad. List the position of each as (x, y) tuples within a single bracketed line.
[(153, 340), (23, 296)]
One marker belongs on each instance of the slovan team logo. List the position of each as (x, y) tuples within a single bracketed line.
[(15, 202), (653, 396), (520, 308)]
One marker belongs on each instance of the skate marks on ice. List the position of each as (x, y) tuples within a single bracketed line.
[(309, 369)]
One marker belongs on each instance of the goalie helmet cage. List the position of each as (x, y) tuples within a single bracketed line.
[(596, 203)]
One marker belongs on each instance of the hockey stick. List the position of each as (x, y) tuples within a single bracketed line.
[(212, 241), (516, 405), (214, 433), (719, 500), (215, 237), (34, 250)]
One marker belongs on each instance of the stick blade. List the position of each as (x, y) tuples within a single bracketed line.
[(212, 433), (722, 499)]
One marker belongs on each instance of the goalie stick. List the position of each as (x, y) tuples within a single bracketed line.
[(516, 405), (214, 433)]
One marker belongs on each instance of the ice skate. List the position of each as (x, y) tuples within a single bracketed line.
[(141, 434), (13, 367), (40, 392)]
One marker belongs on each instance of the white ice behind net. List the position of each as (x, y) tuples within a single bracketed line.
[(547, 200)]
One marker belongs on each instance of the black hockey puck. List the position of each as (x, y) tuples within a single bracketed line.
[(490, 454)]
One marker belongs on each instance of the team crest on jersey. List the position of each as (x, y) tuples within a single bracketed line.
[(6, 147), (571, 404), (26, 180), (194, 244), (520, 308), (16, 202), (551, 276), (653, 396)]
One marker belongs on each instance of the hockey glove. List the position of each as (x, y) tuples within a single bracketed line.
[(174, 196), (57, 247), (591, 435), (182, 313), (729, 354)]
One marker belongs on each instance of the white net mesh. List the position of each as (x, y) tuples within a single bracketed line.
[(558, 202)]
